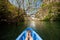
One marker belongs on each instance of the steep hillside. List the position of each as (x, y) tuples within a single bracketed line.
[(49, 11), (9, 13)]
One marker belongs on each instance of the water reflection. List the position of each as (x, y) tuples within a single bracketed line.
[(47, 30), (32, 24), (35, 24)]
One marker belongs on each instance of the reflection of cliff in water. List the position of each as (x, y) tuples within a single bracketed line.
[(35, 24), (47, 30)]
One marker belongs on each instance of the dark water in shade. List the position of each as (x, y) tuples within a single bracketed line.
[(47, 30)]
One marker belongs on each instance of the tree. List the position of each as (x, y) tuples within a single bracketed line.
[(18, 2)]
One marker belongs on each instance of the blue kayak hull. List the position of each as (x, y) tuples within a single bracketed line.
[(35, 36)]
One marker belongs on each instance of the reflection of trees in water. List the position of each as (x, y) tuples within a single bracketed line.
[(35, 24)]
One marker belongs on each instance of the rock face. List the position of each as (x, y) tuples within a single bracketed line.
[(9, 13), (49, 10), (48, 1)]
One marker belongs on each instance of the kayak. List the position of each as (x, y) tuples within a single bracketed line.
[(34, 35)]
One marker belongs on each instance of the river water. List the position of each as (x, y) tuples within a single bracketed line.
[(47, 30)]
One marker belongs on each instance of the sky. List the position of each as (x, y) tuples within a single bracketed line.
[(33, 7)]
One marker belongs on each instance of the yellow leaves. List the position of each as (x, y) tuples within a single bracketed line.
[(35, 0)]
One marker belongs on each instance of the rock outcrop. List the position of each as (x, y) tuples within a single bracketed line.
[(9, 13), (49, 10)]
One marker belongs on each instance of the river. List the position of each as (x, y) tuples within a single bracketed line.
[(48, 30)]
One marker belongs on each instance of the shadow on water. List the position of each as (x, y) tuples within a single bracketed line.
[(10, 31), (47, 30)]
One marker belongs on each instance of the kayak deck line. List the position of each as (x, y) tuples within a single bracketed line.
[(29, 33)]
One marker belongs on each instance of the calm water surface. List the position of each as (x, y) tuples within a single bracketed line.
[(47, 30)]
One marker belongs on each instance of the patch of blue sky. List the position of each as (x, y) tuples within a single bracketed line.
[(33, 6)]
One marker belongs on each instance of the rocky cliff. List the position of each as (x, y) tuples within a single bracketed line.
[(49, 11), (9, 13)]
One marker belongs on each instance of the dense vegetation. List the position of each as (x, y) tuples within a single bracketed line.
[(49, 11), (9, 13)]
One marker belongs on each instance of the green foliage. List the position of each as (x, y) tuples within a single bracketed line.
[(51, 8), (57, 4), (10, 12), (48, 17), (43, 5)]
